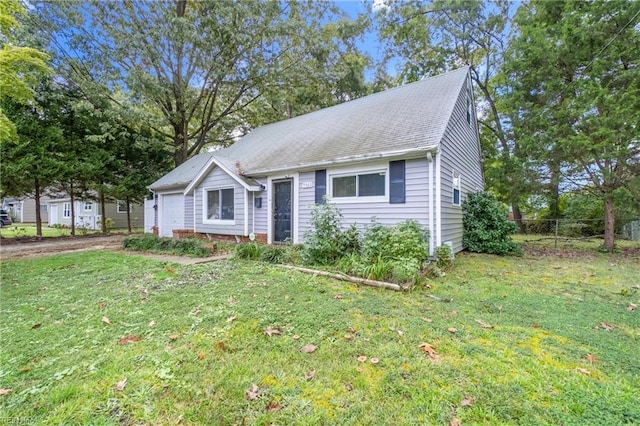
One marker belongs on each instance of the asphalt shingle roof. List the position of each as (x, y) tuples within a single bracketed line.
[(409, 117)]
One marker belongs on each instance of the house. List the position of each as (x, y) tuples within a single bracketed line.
[(24, 209), (411, 152), (88, 215)]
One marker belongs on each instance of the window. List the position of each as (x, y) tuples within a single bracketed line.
[(220, 204), (43, 208), (122, 206), (456, 189), (360, 185), (468, 111), (66, 209), (88, 206)]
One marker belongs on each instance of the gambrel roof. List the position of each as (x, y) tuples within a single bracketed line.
[(402, 120)]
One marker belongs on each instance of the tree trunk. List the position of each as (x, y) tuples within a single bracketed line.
[(609, 223), (128, 214), (517, 217), (38, 214), (103, 212), (73, 209)]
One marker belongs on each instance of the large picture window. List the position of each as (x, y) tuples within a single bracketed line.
[(359, 185), (220, 204)]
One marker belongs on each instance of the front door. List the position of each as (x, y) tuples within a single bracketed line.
[(282, 196)]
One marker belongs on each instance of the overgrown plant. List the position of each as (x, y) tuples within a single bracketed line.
[(325, 242), (444, 257), (183, 247), (486, 228)]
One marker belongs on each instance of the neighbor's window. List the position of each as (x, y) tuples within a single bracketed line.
[(88, 206), (456, 189), (121, 206), (43, 208), (360, 185), (66, 209), (220, 204)]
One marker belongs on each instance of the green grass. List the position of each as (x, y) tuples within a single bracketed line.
[(22, 230), (530, 368)]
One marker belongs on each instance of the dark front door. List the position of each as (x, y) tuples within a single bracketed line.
[(282, 195)]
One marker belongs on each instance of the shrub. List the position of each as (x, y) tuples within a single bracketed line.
[(248, 251), (444, 257), (406, 240), (486, 228), (184, 247), (325, 242)]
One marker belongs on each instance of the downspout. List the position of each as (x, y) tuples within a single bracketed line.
[(253, 212), (246, 212), (438, 226), (430, 182)]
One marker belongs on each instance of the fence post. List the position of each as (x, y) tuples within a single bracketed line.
[(556, 235)]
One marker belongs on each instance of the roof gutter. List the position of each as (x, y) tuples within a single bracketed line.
[(417, 152)]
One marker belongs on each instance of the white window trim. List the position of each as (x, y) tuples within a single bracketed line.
[(226, 222), (354, 172), (455, 176), (85, 204), (66, 210), (118, 210)]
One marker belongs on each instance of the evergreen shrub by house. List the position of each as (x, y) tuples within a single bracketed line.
[(486, 227)]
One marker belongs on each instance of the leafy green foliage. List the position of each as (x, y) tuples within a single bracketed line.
[(444, 257), (181, 247), (486, 228), (324, 242), (250, 251), (406, 240)]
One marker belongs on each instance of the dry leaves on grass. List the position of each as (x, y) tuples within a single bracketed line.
[(270, 331), (273, 406), (455, 422), (583, 371), (310, 375), (173, 337), (430, 350), (5, 391), (106, 320), (126, 340), (632, 307), (425, 319), (483, 324), (452, 330), (253, 392), (307, 349), (606, 326), (591, 358), (121, 384), (466, 402)]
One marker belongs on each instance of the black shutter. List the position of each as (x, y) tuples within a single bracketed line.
[(396, 182), (321, 186)]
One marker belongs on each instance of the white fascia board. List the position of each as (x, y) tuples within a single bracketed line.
[(207, 168)]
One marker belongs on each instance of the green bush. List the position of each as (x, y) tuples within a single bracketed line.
[(406, 240), (325, 242), (444, 257), (248, 251), (486, 228), (183, 247)]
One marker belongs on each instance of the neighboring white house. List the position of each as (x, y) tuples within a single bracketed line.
[(87, 213), (24, 209), (411, 152)]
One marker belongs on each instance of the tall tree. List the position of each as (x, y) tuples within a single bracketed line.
[(426, 37), (197, 65), (576, 73), (21, 67)]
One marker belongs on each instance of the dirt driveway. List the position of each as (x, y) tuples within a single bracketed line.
[(33, 248)]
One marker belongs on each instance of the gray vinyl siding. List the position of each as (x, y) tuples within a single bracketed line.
[(460, 153), (120, 219), (218, 179), (260, 216), (29, 210), (416, 206), (306, 202), (188, 211)]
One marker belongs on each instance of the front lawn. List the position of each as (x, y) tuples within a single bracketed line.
[(110, 338), (28, 230)]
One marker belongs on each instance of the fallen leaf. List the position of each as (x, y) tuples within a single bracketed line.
[(5, 391), (128, 339), (606, 326), (359, 369), (41, 308), (430, 350), (362, 358), (231, 318), (348, 336), (170, 270), (632, 307), (201, 355), (536, 325), (253, 392), (349, 387), (152, 323), (221, 345), (338, 296), (400, 332), (427, 319), (452, 330), (102, 305), (295, 337), (106, 320), (173, 337), (453, 313), (374, 360), (195, 312), (121, 384), (168, 347), (583, 370), (271, 331), (25, 369), (591, 358), (307, 349), (466, 402), (38, 325), (273, 406), (484, 324), (310, 375), (455, 422)]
